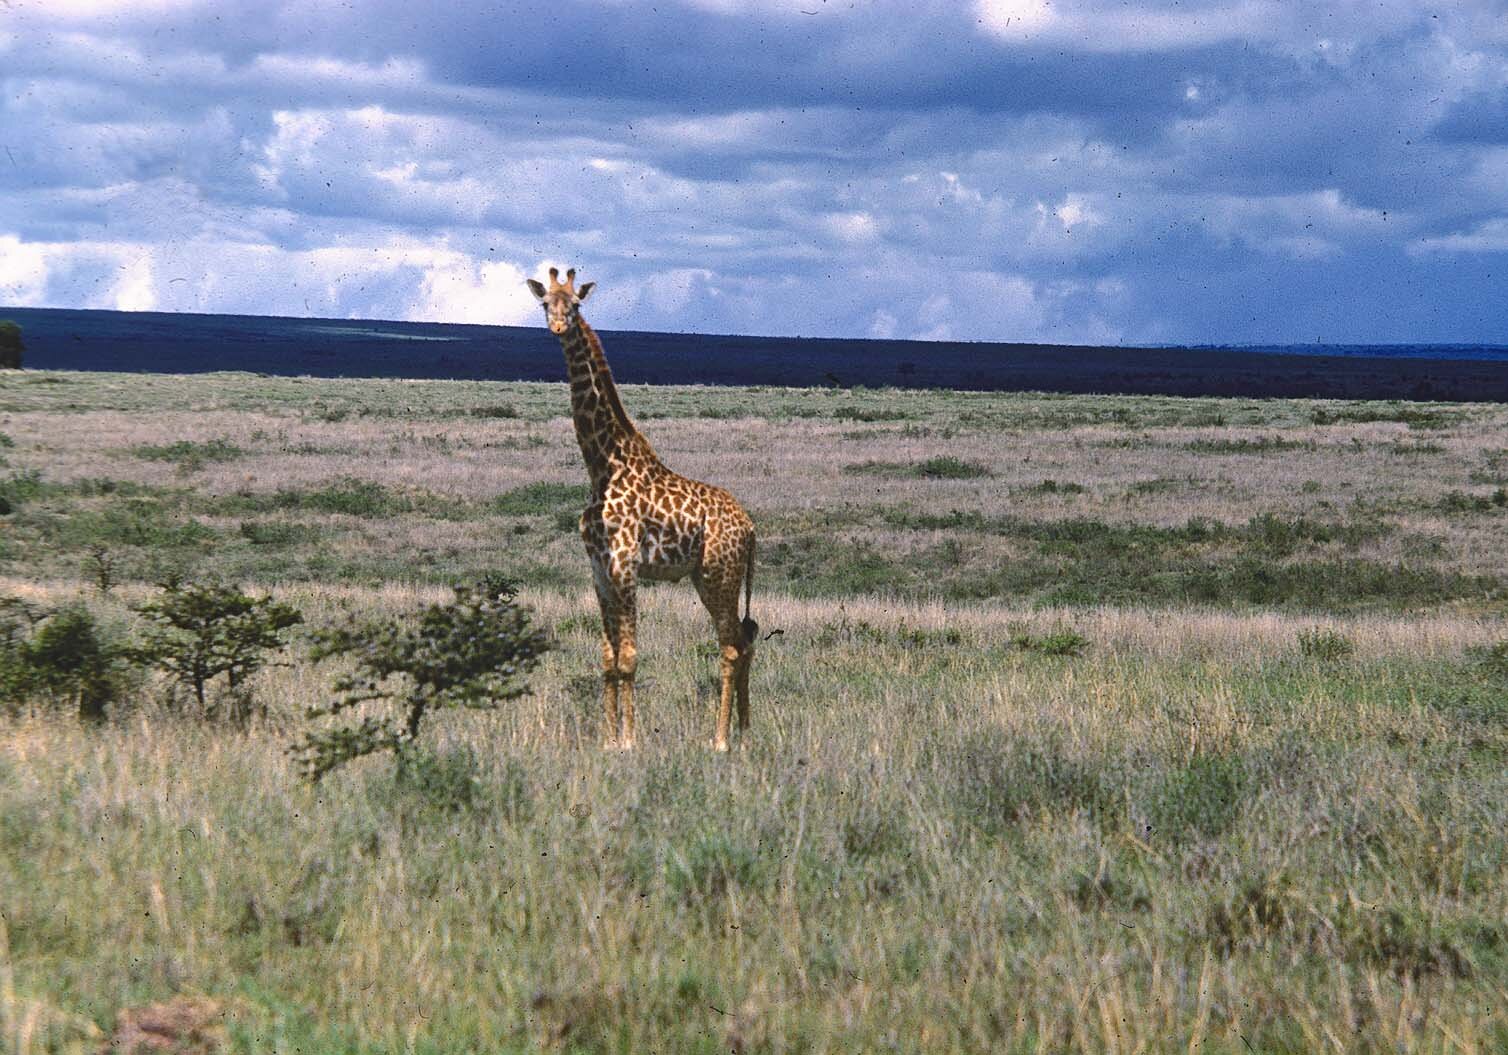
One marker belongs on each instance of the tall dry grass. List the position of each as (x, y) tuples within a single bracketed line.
[(1195, 835)]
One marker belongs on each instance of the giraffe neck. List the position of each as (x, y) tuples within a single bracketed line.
[(607, 437)]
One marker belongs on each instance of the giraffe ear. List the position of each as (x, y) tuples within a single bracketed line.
[(585, 291), (537, 288)]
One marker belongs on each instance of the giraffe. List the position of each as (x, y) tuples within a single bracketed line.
[(645, 521)]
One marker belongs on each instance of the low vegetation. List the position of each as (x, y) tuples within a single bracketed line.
[(1133, 725)]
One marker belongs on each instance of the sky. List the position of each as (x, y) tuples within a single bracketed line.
[(1102, 171)]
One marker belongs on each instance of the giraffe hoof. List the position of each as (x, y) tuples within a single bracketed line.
[(720, 746), (611, 745)]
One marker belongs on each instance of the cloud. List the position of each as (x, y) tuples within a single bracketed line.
[(1202, 170), (1490, 236)]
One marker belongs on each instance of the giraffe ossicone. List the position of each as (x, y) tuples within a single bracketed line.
[(645, 521)]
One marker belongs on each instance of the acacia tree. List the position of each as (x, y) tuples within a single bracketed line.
[(471, 652), (197, 633)]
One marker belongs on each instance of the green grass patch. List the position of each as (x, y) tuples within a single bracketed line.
[(942, 468), (1248, 445), (189, 455), (545, 498)]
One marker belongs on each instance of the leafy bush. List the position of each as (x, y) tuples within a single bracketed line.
[(1490, 660), (1062, 641), (61, 655), (467, 653), (18, 490), (1325, 644), (197, 633)]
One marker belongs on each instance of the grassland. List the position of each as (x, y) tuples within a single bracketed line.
[(1095, 724)]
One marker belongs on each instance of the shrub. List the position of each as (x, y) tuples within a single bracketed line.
[(62, 655), (197, 633), (467, 653), (1324, 644), (1490, 660), (18, 490), (1062, 641)]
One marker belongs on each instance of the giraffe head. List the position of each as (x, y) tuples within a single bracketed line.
[(561, 300)]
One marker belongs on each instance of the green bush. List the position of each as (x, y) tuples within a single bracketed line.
[(62, 656), (1324, 644), (197, 633), (1062, 641), (469, 653)]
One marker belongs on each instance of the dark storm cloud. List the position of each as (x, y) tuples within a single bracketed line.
[(1234, 170)]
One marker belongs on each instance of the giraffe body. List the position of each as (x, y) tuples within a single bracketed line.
[(645, 521)]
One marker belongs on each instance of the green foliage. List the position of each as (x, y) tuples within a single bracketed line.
[(1199, 800), (1062, 641), (448, 782), (542, 498), (12, 347), (196, 633), (856, 413), (1053, 487), (941, 468), (1490, 660), (1414, 417), (1247, 445), (189, 454), (61, 656), (1325, 644), (495, 410), (1461, 502), (996, 784), (18, 490), (467, 653)]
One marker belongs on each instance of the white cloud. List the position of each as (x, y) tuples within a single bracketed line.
[(23, 272), (1123, 26), (1490, 236)]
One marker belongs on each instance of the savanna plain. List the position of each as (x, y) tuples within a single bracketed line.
[(1089, 724)]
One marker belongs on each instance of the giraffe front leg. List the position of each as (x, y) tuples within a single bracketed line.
[(617, 583), (609, 675)]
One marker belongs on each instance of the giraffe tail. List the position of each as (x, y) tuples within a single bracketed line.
[(750, 627)]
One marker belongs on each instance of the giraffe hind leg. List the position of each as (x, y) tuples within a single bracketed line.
[(721, 602)]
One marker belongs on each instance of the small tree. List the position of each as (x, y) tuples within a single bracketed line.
[(197, 633), (467, 653), (59, 654), (18, 619), (71, 661), (12, 349)]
